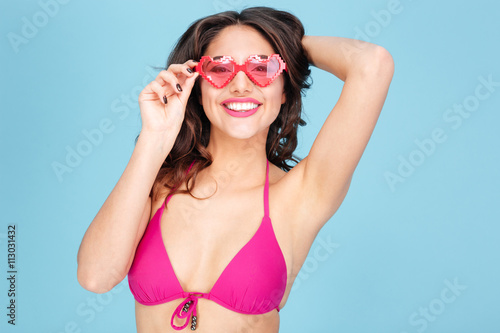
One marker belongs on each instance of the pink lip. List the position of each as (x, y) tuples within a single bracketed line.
[(241, 100)]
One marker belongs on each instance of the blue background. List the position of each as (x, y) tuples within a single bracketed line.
[(395, 246)]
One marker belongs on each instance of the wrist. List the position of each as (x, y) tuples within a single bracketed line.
[(158, 143)]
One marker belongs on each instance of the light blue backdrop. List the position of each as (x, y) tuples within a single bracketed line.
[(415, 245)]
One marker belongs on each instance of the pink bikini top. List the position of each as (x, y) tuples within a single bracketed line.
[(253, 282)]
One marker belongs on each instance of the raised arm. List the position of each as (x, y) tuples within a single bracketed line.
[(325, 174), (109, 244)]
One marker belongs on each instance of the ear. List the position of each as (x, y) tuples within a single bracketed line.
[(283, 95)]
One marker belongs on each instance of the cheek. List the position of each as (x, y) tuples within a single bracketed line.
[(277, 96), (275, 104), (281, 91), (207, 98)]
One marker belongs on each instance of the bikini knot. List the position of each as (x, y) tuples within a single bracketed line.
[(187, 309)]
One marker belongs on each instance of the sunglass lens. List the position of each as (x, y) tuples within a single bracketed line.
[(218, 72), (264, 72)]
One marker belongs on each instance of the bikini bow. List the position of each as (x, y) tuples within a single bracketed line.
[(186, 309)]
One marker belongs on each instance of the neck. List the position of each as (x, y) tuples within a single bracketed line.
[(238, 162)]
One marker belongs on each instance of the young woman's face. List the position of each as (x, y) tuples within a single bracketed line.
[(240, 42)]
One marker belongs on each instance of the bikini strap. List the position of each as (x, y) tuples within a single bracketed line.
[(167, 199), (266, 191)]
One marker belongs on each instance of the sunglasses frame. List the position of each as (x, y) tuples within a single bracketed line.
[(243, 67)]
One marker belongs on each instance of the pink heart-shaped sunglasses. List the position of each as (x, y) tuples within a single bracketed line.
[(221, 70)]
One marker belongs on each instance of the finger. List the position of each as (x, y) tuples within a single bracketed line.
[(167, 79), (186, 70), (183, 70), (163, 77), (152, 92), (148, 92), (175, 76), (159, 90), (191, 64), (188, 87)]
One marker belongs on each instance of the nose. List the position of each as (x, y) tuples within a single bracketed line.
[(241, 83)]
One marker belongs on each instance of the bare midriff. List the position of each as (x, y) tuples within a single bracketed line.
[(211, 317)]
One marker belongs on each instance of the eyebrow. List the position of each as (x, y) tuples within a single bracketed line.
[(263, 56)]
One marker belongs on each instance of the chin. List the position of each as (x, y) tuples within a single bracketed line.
[(241, 133)]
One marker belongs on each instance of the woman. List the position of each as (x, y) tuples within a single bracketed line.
[(222, 254)]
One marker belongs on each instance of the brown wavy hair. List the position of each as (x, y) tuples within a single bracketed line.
[(284, 32)]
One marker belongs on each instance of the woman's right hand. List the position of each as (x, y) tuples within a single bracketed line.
[(173, 85)]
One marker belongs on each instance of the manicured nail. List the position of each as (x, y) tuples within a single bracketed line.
[(165, 99), (190, 71), (178, 86)]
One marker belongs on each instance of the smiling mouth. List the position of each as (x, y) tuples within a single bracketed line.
[(241, 107)]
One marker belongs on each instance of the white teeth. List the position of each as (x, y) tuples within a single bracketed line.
[(241, 106)]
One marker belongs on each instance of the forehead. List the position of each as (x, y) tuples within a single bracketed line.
[(239, 41)]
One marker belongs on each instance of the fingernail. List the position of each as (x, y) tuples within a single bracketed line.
[(165, 99), (178, 86), (190, 70)]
